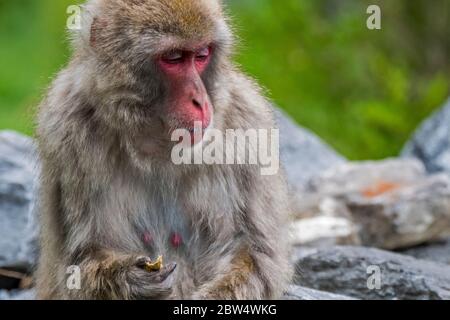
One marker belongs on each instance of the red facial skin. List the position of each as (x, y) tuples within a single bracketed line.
[(189, 101)]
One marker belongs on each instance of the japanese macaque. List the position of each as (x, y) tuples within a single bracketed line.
[(111, 199)]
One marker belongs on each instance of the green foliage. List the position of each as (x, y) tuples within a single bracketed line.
[(363, 91), (33, 48)]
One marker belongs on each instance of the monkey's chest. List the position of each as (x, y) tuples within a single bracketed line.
[(176, 223), (166, 230)]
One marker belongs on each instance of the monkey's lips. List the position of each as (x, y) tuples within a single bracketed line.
[(196, 135), (190, 131)]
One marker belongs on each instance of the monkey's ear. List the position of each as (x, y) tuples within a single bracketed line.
[(97, 26)]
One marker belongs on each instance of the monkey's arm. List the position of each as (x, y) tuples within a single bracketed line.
[(259, 267), (70, 237), (248, 276), (110, 272), (111, 275)]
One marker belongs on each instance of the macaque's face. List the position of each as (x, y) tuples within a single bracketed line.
[(165, 62), (185, 103), (187, 98)]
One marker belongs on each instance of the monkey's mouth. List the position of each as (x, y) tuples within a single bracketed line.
[(189, 133), (189, 136), (196, 135)]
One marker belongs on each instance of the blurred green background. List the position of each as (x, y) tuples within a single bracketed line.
[(362, 91)]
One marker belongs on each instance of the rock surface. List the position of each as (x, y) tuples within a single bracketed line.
[(18, 295), (323, 231), (350, 271), (389, 204), (360, 177), (302, 293), (303, 154), (294, 293), (438, 251), (431, 142), (17, 180)]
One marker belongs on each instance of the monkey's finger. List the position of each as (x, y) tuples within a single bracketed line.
[(142, 262), (165, 272)]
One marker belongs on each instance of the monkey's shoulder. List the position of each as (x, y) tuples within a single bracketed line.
[(248, 106)]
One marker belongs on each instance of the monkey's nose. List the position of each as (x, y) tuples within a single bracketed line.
[(197, 103)]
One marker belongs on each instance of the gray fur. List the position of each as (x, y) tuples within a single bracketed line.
[(99, 193)]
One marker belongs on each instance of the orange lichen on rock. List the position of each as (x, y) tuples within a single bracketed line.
[(380, 188)]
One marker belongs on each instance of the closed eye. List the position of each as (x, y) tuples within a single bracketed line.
[(203, 54), (173, 57)]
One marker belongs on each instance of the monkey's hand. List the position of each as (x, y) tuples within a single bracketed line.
[(148, 284)]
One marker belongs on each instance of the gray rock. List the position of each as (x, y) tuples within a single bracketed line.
[(357, 177), (394, 203), (406, 217), (438, 251), (17, 181), (302, 293), (303, 154), (431, 142), (319, 220), (294, 293), (18, 295), (324, 230), (351, 271)]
